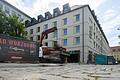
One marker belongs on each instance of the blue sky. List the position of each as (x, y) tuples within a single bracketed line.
[(107, 11)]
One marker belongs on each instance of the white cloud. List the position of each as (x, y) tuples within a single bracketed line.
[(114, 41), (107, 15), (110, 28), (111, 24), (41, 6)]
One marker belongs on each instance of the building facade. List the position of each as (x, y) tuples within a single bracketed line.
[(115, 51), (10, 10), (78, 30)]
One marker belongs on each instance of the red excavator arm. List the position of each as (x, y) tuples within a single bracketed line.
[(44, 33)]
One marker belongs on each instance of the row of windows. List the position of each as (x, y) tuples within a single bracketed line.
[(55, 24), (77, 18), (7, 11), (98, 47), (77, 30), (116, 50), (65, 41), (77, 41), (65, 31), (117, 56), (65, 22)]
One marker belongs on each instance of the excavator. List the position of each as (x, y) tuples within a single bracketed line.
[(50, 54)]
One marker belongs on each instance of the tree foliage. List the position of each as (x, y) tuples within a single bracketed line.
[(3, 21), (11, 25)]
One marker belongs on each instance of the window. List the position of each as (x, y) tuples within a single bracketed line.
[(94, 26), (19, 15), (31, 31), (13, 12), (77, 28), (94, 35), (96, 38), (65, 42), (47, 17), (55, 14), (114, 50), (90, 32), (77, 40), (90, 20), (118, 49), (7, 10), (46, 44), (56, 34), (26, 33), (77, 17), (38, 29), (54, 43), (38, 37), (65, 21), (45, 27), (65, 31), (55, 24), (96, 29), (31, 38), (94, 44)]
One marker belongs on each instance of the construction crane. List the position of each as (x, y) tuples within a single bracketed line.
[(45, 33), (49, 53)]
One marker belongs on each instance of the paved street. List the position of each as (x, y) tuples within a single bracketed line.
[(12, 71)]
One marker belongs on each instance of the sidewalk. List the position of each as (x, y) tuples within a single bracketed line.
[(59, 72)]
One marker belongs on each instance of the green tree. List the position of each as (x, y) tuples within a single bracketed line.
[(11, 25), (3, 21), (16, 26)]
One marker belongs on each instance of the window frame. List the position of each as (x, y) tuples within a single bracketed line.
[(77, 28), (65, 31), (38, 29), (77, 17), (77, 40), (65, 21), (65, 42), (31, 31)]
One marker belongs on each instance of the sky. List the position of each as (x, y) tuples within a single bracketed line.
[(107, 11)]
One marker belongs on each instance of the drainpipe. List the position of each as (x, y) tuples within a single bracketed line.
[(101, 43), (83, 34)]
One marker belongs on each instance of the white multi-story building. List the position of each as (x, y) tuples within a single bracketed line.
[(10, 10), (78, 30)]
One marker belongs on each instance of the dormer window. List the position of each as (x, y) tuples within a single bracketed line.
[(39, 20), (55, 14), (46, 17)]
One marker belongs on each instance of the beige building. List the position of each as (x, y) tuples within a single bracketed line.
[(115, 51), (78, 30), (10, 10)]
